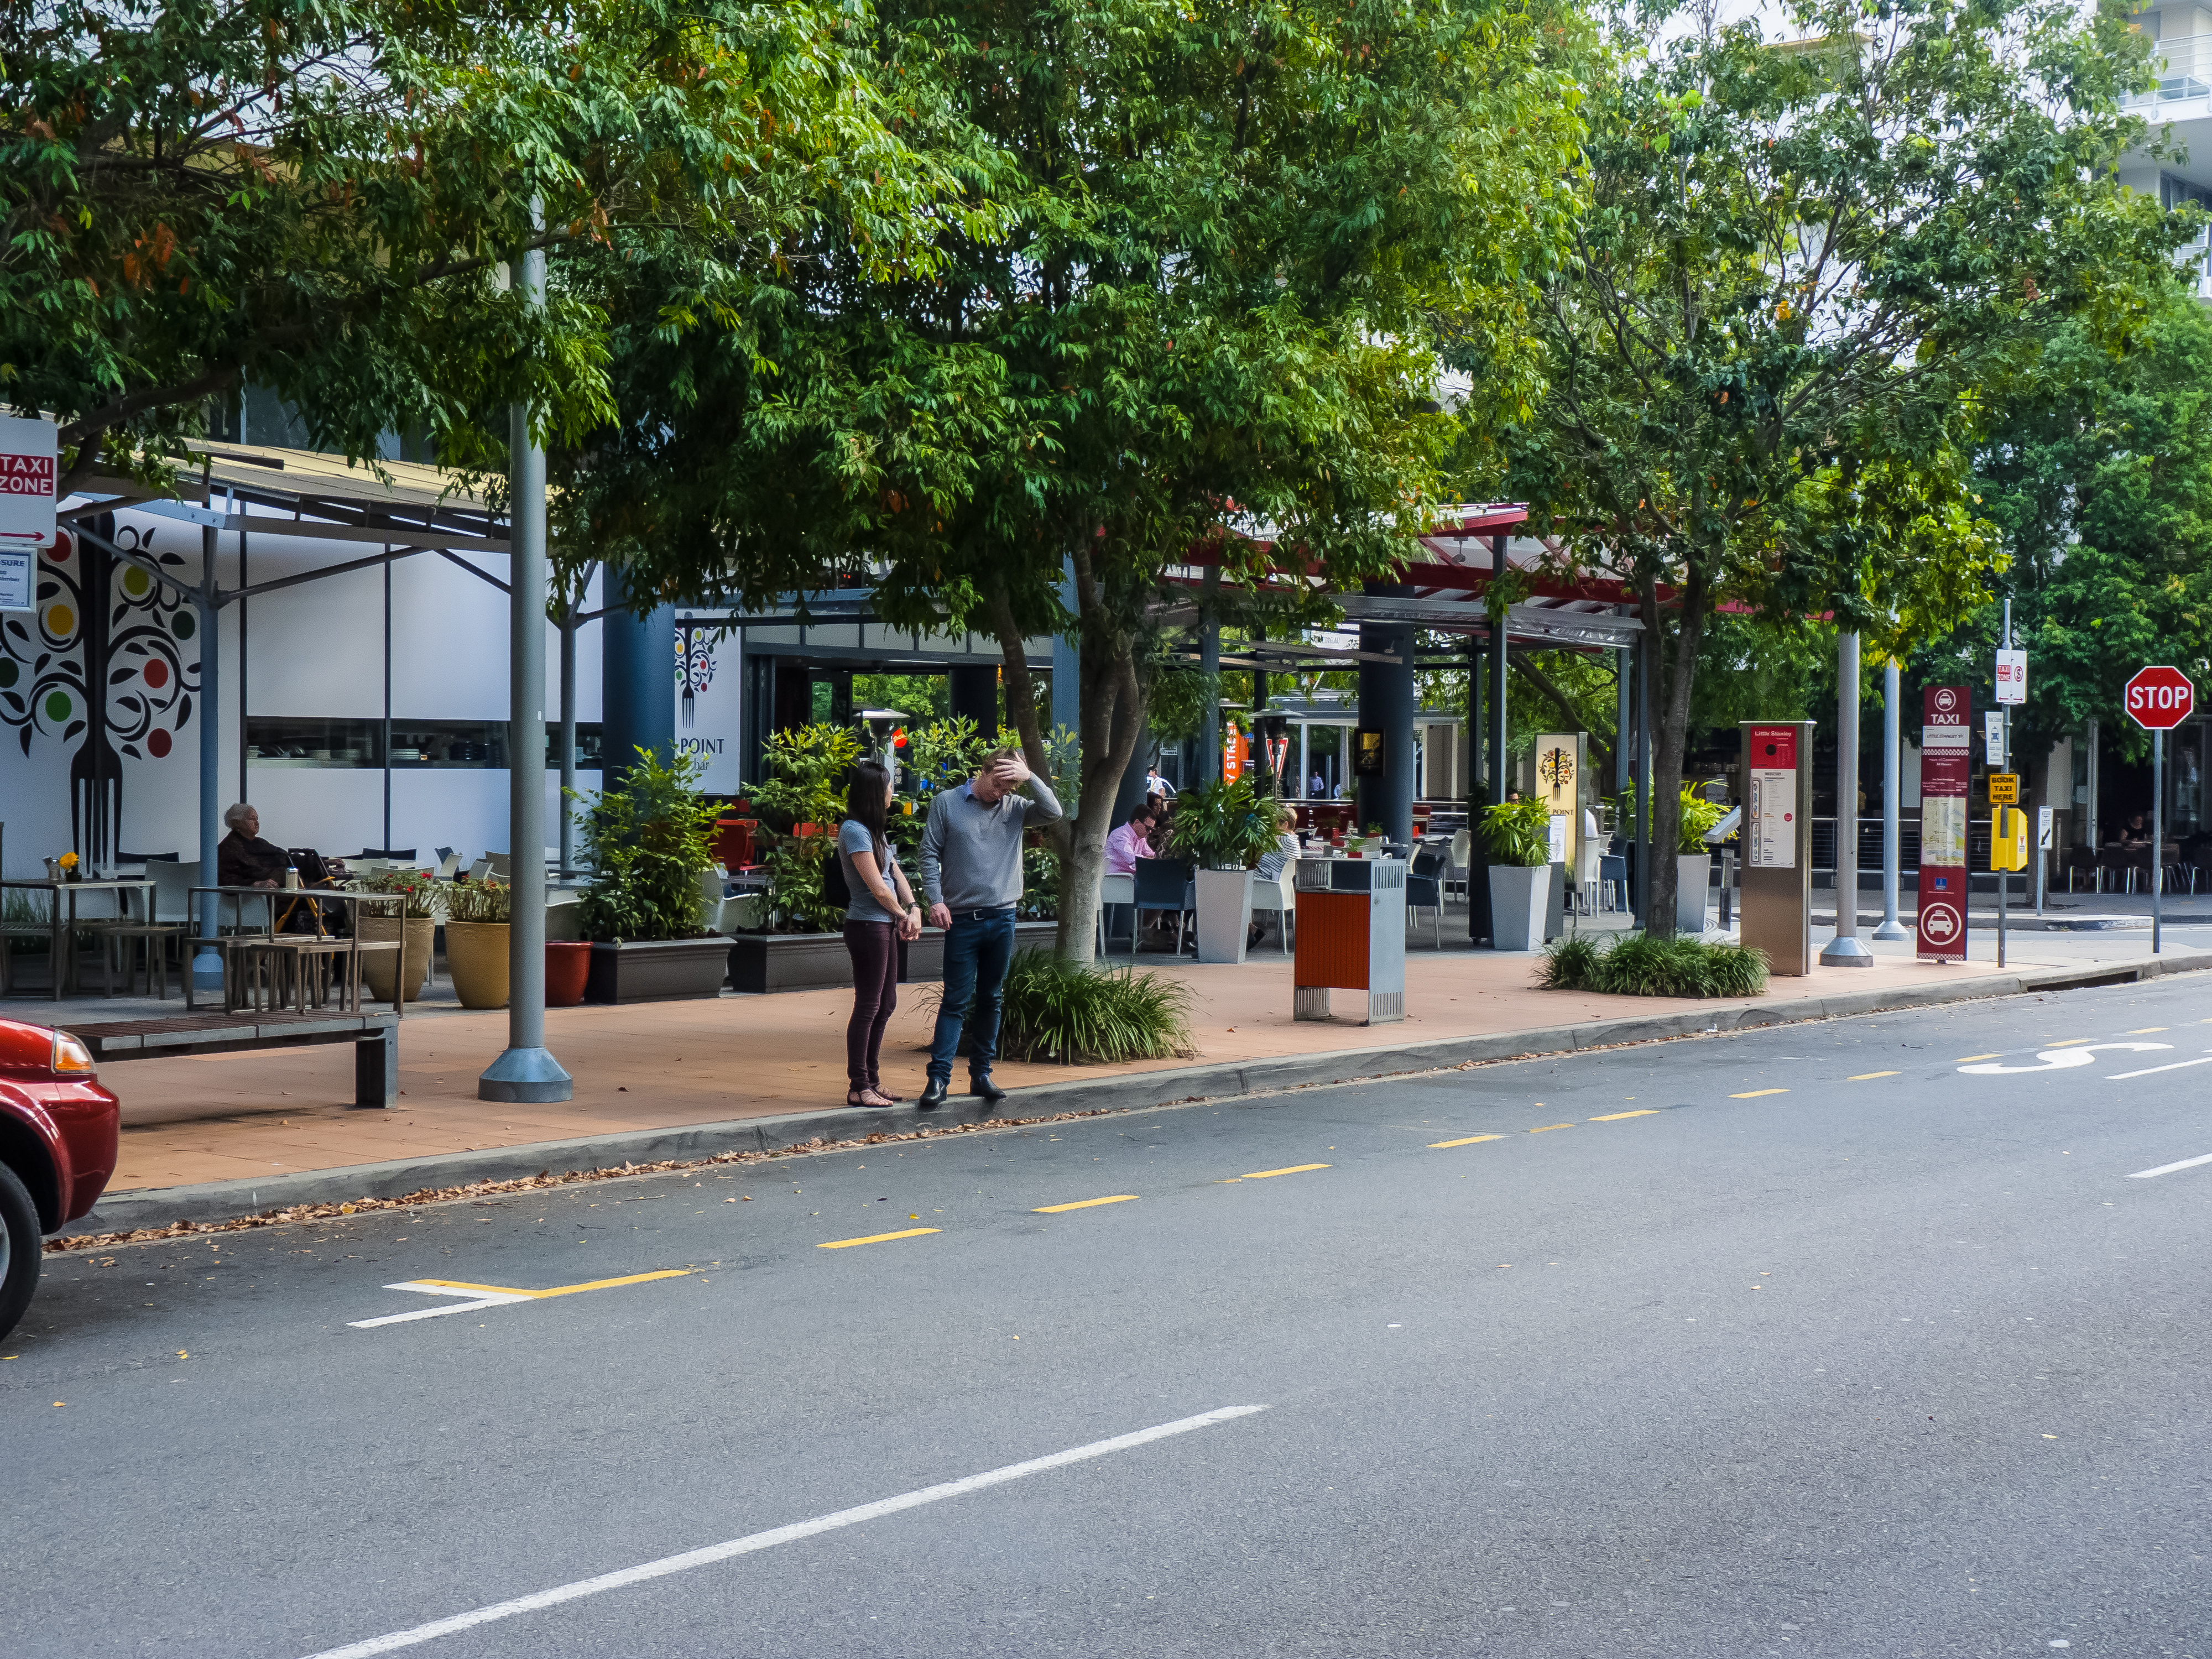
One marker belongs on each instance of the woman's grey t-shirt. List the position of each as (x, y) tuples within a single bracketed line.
[(853, 837)]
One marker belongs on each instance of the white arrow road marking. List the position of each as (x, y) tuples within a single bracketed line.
[(791, 1533), (477, 1300), (2168, 1168), (2057, 1060), (2150, 1071)]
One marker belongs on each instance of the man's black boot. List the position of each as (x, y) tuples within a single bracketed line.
[(932, 1096), (979, 1083)]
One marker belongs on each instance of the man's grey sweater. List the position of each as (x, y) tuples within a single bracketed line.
[(971, 854)]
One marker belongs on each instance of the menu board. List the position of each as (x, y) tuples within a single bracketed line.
[(1946, 737), (1769, 829)]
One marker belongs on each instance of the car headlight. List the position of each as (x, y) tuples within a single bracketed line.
[(71, 1057)]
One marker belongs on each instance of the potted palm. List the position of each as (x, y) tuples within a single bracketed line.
[(1225, 829), (1517, 837), (415, 931), (646, 839), (1693, 862), (476, 914)]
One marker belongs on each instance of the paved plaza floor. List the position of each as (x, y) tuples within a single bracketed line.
[(658, 1065)]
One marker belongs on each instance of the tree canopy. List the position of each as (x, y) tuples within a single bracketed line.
[(318, 197), (1804, 273)]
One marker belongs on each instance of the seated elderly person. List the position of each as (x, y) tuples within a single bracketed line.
[(242, 858)]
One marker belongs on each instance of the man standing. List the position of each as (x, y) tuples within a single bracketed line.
[(971, 872)]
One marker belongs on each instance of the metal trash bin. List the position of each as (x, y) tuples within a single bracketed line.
[(1351, 936)]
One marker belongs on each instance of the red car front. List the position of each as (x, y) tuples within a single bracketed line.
[(58, 1140)]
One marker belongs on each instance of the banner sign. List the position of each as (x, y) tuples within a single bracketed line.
[(1946, 765), (2012, 676), (29, 469), (1769, 830)]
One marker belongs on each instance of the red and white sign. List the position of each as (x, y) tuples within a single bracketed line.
[(30, 454), (2012, 676), (2159, 699), (1770, 840), (1946, 762)]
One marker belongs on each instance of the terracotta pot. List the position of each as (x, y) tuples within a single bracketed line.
[(475, 957), (414, 955), (567, 969)]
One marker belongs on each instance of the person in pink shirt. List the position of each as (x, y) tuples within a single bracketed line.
[(1129, 843)]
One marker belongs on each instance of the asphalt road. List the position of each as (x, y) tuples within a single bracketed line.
[(1808, 1340)]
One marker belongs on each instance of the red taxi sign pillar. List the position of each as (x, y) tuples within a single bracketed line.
[(1947, 736), (2158, 699)]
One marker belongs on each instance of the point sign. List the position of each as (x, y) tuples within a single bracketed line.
[(2158, 699)]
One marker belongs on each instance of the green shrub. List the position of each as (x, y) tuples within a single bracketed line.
[(1222, 826), (1698, 815), (419, 888), (1637, 965), (479, 901), (646, 839), (1518, 833), (1080, 1015)]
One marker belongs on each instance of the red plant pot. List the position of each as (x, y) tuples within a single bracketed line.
[(568, 966)]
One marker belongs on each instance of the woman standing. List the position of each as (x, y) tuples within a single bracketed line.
[(876, 919)]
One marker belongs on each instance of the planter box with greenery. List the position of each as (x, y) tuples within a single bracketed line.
[(646, 841), (1078, 1014), (1225, 829), (1516, 838), (417, 932), (761, 962), (1637, 965), (475, 942)]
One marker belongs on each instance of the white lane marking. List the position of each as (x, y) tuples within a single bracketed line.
[(2152, 1071), (762, 1540), (2168, 1168), (477, 1300), (2058, 1059)]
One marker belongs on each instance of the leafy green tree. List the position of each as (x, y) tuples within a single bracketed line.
[(1200, 336), (1801, 274), (2097, 469), (319, 199)]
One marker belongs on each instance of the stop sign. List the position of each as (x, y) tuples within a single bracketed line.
[(2158, 699)]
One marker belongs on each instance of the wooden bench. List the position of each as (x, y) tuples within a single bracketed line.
[(374, 1036)]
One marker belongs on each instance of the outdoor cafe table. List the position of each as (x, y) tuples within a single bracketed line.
[(62, 927), (271, 897)]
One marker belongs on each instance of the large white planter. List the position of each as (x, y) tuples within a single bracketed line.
[(1693, 870), (1519, 897), (1225, 913)]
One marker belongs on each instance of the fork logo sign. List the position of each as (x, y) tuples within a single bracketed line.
[(2160, 698)]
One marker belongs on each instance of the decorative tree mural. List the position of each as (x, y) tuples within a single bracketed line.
[(102, 658)]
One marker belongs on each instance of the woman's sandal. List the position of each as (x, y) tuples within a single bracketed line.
[(868, 1098)]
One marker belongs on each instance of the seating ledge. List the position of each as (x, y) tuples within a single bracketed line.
[(143, 1038)]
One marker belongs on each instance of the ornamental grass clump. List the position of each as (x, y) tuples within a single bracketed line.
[(1637, 965), (1074, 1014)]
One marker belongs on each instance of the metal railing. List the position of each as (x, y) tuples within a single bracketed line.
[(2184, 66)]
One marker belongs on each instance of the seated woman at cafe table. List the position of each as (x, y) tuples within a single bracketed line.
[(242, 858)]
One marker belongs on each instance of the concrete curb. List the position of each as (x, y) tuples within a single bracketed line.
[(219, 1200)]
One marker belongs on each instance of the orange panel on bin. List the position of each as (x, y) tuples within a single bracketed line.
[(1332, 944)]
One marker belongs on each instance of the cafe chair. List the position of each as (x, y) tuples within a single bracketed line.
[(1116, 891), (448, 861), (1277, 895), (1424, 886), (1164, 884)]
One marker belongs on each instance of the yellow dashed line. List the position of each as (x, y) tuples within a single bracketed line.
[(2070, 1042), (1438, 1145), (1971, 1059), (1549, 1126), (1615, 1117), (1754, 1094), (1869, 1077), (1295, 1169), (876, 1238), (558, 1290), (2145, 1031), (1084, 1204)]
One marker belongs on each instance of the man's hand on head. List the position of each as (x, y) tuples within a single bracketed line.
[(1012, 773)]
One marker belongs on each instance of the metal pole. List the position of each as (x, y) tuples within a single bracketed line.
[(1209, 668), (526, 1072), (568, 741), (1891, 766), (1847, 950), (207, 963), (385, 844), (2157, 839), (1647, 679), (1997, 813), (2090, 805)]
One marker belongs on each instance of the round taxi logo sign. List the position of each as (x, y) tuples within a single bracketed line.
[(2158, 699), (1939, 922), (1945, 700)]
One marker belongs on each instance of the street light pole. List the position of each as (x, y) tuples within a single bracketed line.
[(526, 1072), (1891, 928), (1847, 950)]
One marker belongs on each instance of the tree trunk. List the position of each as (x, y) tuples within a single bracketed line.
[(1109, 687), (1675, 672)]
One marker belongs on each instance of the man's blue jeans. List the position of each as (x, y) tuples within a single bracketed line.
[(978, 950)]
